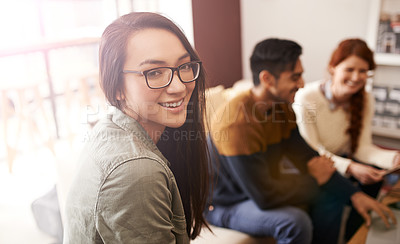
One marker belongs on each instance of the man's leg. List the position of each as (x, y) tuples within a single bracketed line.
[(285, 224), (326, 215), (355, 220)]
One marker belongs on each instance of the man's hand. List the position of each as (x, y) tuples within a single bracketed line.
[(321, 168), (364, 203), (364, 173)]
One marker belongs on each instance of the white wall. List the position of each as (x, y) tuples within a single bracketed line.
[(179, 11), (317, 25)]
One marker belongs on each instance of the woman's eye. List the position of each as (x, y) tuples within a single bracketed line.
[(185, 67), (349, 70), (154, 73)]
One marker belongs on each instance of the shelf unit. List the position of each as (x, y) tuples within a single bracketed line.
[(387, 59), (386, 63)]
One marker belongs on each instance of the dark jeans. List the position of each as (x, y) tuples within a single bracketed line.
[(355, 220), (326, 214), (285, 224)]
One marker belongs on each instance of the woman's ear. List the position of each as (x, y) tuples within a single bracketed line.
[(266, 78), (331, 69)]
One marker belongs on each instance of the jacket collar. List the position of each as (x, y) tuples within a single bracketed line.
[(132, 126)]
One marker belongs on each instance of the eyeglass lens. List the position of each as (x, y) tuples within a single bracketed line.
[(160, 77)]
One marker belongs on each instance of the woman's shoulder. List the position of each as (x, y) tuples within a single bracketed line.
[(312, 87), (135, 154), (310, 93), (109, 146), (143, 166)]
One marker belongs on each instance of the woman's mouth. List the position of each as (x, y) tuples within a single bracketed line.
[(351, 83), (172, 104)]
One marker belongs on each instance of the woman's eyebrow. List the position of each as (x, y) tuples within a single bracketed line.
[(160, 62), (184, 56), (151, 61)]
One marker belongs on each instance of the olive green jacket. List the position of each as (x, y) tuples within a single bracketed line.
[(124, 190)]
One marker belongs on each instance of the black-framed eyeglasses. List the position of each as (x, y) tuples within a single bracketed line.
[(161, 77)]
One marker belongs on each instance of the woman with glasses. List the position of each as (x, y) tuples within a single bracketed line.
[(334, 116), (142, 178)]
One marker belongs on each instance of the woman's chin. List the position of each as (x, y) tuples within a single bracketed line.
[(176, 124)]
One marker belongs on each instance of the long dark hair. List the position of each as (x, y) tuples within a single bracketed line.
[(346, 49), (185, 151)]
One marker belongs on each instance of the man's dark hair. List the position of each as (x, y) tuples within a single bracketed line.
[(275, 56)]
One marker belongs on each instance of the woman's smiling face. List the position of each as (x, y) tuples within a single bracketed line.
[(349, 76), (155, 109)]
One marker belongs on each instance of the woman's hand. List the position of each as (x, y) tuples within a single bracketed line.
[(364, 173)]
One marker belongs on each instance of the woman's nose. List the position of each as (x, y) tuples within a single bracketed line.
[(355, 76), (176, 85)]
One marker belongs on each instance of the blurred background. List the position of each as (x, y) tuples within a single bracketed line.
[(50, 98)]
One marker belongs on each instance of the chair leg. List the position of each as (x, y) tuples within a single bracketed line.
[(49, 141), (5, 114)]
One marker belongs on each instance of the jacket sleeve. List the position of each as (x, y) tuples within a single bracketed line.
[(135, 205)]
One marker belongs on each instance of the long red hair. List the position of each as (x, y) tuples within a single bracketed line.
[(344, 50)]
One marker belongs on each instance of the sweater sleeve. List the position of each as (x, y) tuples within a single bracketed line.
[(367, 152), (306, 108)]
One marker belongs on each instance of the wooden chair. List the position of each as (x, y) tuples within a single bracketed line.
[(84, 103), (22, 107)]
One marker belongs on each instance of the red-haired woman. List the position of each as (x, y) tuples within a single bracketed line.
[(334, 117)]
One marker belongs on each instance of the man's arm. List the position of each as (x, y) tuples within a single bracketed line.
[(254, 176), (300, 153)]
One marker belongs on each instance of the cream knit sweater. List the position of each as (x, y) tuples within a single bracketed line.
[(325, 129)]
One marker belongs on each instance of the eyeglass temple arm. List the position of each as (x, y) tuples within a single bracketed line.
[(132, 71)]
